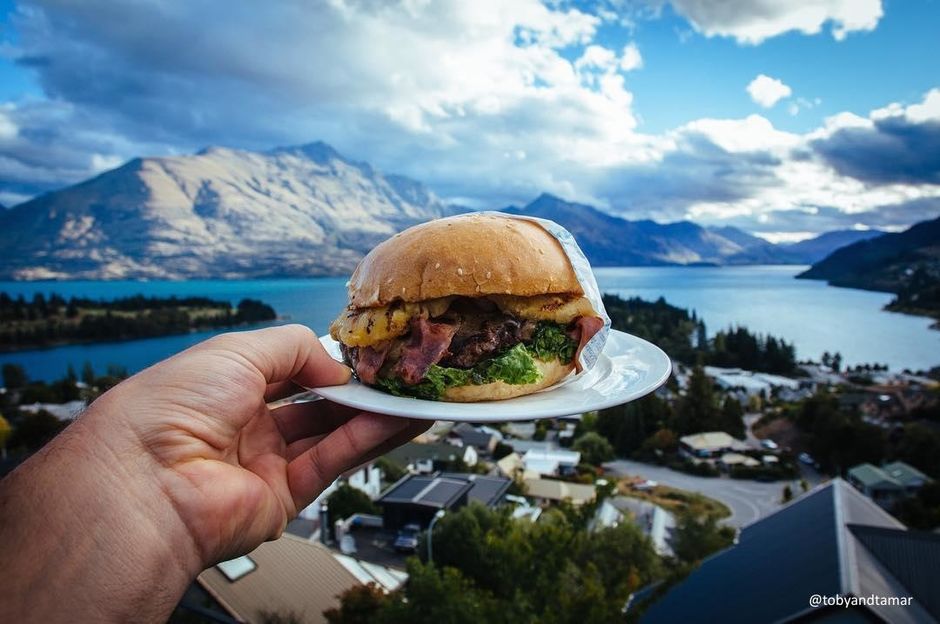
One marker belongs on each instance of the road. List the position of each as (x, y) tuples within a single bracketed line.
[(748, 500)]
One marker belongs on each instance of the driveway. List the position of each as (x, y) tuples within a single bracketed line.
[(748, 500)]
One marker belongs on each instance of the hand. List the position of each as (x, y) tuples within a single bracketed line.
[(235, 470), (181, 466)]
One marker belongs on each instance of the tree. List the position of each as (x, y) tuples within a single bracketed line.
[(489, 567), (35, 430), (595, 449), (88, 374), (5, 431), (347, 500), (14, 376), (787, 495), (732, 417), (698, 408), (697, 538), (360, 604), (392, 472)]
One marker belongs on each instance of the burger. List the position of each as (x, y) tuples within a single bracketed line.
[(469, 308)]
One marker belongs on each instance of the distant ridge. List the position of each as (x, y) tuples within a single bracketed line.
[(303, 210)]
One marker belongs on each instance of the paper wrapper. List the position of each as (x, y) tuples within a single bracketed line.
[(582, 270)]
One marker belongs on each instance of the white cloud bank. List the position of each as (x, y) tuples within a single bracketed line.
[(767, 91), (477, 99), (754, 21)]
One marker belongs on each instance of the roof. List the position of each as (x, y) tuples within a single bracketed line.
[(509, 464), (559, 456), (484, 489), (822, 543), (905, 474), (443, 490), (873, 477), (426, 490), (552, 489), (736, 459), (473, 436), (413, 451), (709, 440), (291, 575)]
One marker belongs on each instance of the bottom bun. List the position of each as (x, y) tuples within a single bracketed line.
[(552, 373)]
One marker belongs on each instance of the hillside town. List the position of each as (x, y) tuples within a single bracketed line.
[(687, 494)]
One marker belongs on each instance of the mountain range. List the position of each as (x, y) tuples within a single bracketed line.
[(304, 211)]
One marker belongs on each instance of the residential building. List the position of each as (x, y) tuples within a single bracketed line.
[(709, 445), (731, 460), (555, 462), (290, 576), (483, 439), (428, 458), (888, 484), (549, 491), (366, 478), (833, 541), (653, 520), (522, 430), (416, 498)]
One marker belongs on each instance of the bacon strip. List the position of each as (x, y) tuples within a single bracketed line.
[(370, 359), (427, 345), (585, 327)]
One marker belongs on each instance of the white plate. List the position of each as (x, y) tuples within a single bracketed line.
[(628, 369)]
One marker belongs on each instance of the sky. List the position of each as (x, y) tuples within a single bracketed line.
[(783, 118)]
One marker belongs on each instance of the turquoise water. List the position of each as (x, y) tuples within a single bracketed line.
[(814, 316)]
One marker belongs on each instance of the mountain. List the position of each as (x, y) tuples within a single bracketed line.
[(611, 241), (906, 263), (881, 263), (815, 249), (221, 213)]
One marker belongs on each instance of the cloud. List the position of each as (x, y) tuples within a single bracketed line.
[(767, 91), (895, 144), (489, 102), (631, 58), (754, 21)]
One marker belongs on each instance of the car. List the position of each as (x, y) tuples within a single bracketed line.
[(769, 444), (407, 538), (806, 458)]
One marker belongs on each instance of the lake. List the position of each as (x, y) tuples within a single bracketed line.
[(767, 299)]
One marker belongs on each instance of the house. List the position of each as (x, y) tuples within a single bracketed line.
[(62, 411), (751, 383), (416, 498), (888, 484), (483, 439), (524, 446), (548, 491), (522, 430), (289, 576), (731, 460), (366, 478), (832, 541), (653, 520), (709, 445), (427, 458), (553, 462)]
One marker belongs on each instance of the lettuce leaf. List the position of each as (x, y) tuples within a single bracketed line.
[(551, 341), (515, 366)]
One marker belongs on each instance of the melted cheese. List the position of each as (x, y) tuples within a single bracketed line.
[(368, 326)]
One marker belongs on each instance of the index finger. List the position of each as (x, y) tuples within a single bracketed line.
[(286, 352)]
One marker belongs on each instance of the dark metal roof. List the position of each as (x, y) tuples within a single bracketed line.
[(779, 561), (486, 490), (441, 490), (912, 557)]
